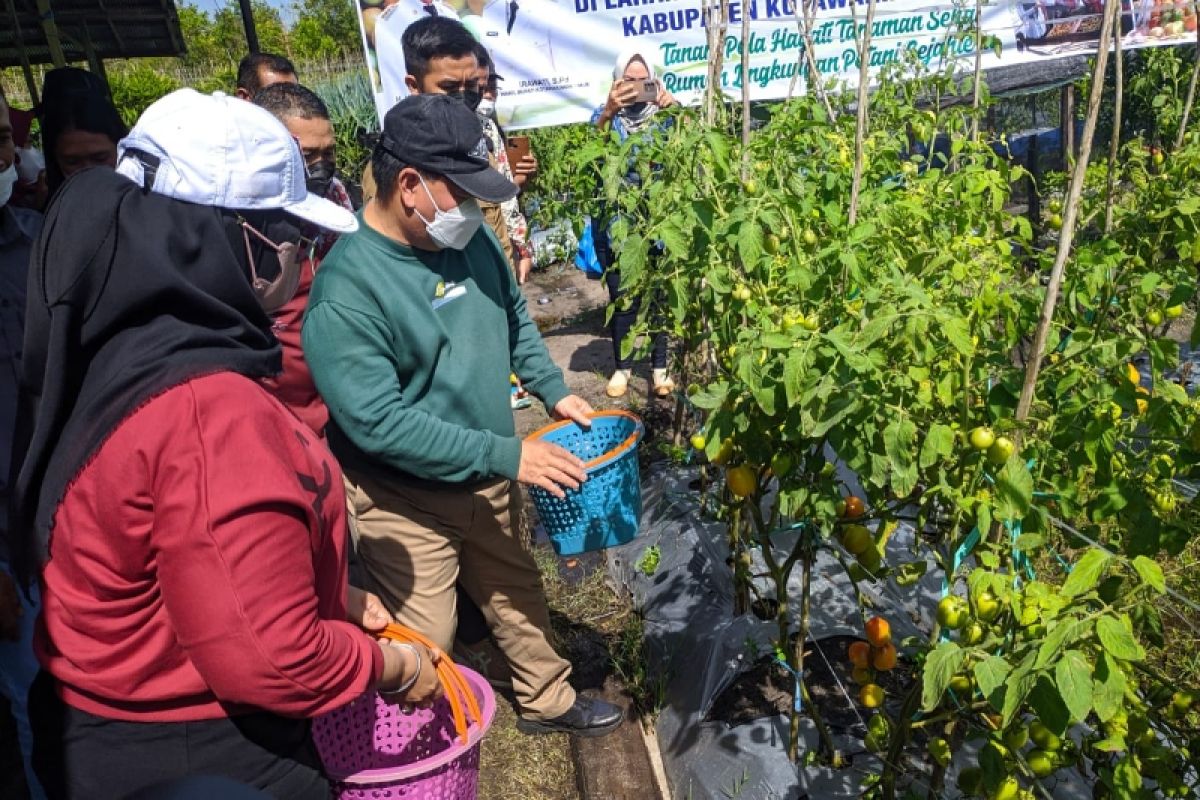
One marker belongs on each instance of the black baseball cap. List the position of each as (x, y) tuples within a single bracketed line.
[(439, 134)]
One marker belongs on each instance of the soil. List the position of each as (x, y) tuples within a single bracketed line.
[(765, 690), (569, 308)]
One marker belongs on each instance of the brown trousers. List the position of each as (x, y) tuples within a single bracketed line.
[(414, 544)]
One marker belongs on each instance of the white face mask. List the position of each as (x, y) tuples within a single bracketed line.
[(8, 179), (486, 108), (452, 229)]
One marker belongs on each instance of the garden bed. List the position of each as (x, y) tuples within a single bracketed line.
[(723, 705)]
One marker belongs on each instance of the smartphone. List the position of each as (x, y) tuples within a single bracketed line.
[(647, 93), (518, 148)]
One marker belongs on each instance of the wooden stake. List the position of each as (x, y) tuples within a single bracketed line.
[(976, 95), (1114, 143), (860, 130), (1191, 95), (1070, 213)]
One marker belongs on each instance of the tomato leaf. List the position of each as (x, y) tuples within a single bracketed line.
[(1059, 636), (940, 666), (1047, 702), (1108, 688), (938, 444), (1127, 781), (991, 673), (750, 244), (1073, 676), (898, 440), (1018, 686), (1117, 637), (1150, 573), (959, 335), (1014, 490), (1085, 575)]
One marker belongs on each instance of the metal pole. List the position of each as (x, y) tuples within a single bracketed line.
[(248, 25), (53, 44)]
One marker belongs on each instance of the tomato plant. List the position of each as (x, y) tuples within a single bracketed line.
[(897, 345)]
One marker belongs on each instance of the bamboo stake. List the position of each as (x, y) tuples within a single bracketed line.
[(1114, 143), (1191, 95), (745, 92), (814, 75), (860, 131), (1070, 212), (716, 29), (978, 70)]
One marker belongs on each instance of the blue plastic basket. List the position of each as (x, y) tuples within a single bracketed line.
[(605, 510)]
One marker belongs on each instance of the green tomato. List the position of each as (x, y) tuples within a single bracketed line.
[(953, 612), (1044, 738), (1001, 450), (972, 634), (1154, 317), (987, 606), (982, 437), (960, 685), (781, 464), (771, 244), (698, 442), (810, 237), (1016, 737), (1174, 312), (1040, 763), (750, 186), (1008, 790)]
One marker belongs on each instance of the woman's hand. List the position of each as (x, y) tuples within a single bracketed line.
[(622, 94), (525, 170), (665, 98), (400, 664), (366, 610)]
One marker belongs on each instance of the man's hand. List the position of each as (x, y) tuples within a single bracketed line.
[(574, 407), (525, 170), (550, 467), (524, 267), (366, 610), (10, 608)]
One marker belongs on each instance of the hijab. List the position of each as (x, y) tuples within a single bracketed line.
[(130, 293), (636, 116)]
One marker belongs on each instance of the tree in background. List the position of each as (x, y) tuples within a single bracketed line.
[(325, 29)]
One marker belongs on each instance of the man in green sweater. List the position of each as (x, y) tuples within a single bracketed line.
[(413, 326)]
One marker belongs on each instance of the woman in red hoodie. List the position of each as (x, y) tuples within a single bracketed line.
[(190, 531)]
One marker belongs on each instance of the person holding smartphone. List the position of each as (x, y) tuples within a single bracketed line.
[(635, 98)]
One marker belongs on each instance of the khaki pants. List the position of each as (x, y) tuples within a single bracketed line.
[(415, 543)]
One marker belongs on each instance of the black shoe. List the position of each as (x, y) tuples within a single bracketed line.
[(585, 717)]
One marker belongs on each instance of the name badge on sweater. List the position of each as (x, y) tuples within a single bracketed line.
[(446, 293)]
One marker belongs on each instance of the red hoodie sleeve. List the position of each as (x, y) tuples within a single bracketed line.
[(243, 516)]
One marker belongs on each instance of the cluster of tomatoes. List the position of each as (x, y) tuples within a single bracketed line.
[(876, 654), (858, 539)]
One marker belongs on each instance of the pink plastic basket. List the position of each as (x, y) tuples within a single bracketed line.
[(373, 750)]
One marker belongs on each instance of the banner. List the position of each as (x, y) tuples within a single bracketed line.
[(557, 56)]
